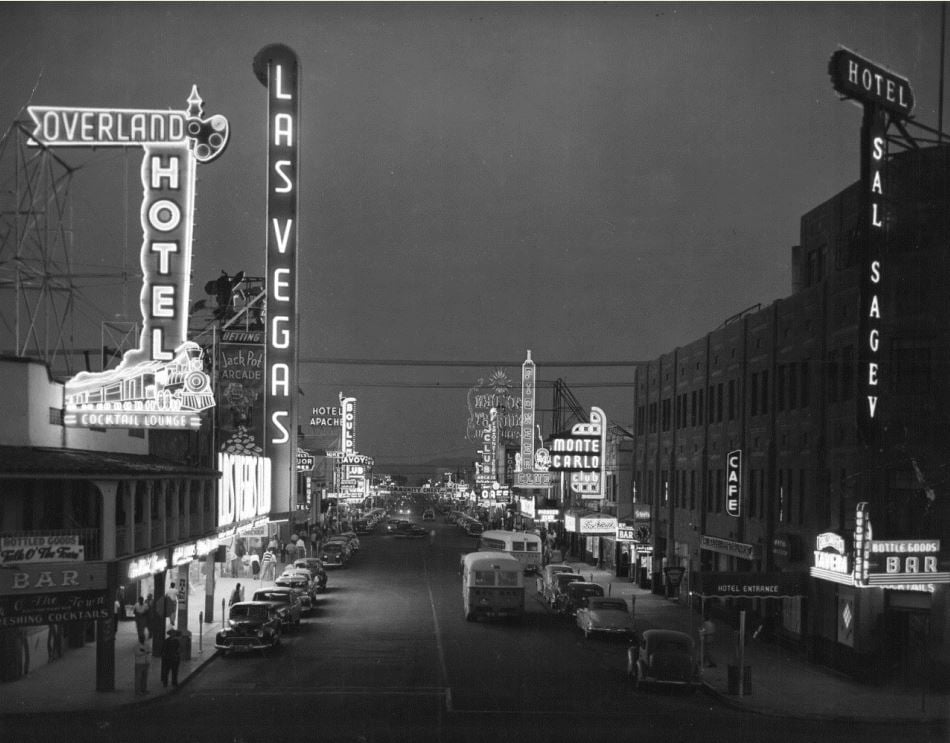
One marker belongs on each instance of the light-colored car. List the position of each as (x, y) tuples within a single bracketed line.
[(604, 615), (354, 539), (664, 656), (576, 595), (315, 566)]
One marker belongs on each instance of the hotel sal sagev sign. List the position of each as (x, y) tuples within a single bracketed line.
[(161, 383)]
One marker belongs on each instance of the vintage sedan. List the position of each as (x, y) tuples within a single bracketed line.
[(252, 625), (576, 595), (555, 595), (300, 579), (664, 657), (334, 554), (287, 600), (606, 616), (315, 566), (546, 576), (412, 531)]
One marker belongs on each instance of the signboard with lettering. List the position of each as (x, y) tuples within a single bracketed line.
[(583, 455), (36, 610), (496, 393), (597, 524), (856, 77), (162, 382), (60, 548), (46, 578), (752, 585), (734, 483), (241, 398), (276, 67)]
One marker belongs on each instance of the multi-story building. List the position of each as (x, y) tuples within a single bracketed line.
[(750, 466)]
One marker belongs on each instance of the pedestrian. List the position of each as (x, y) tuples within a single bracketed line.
[(142, 661), (171, 657), (268, 565), (236, 595), (141, 618), (707, 633), (255, 565), (171, 604)]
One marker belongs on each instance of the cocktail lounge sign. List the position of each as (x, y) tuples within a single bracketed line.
[(161, 383)]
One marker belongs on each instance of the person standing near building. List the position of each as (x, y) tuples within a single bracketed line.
[(707, 635), (268, 565), (142, 661), (141, 618), (171, 657), (171, 604), (237, 595)]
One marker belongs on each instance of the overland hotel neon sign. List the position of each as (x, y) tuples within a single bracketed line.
[(162, 382)]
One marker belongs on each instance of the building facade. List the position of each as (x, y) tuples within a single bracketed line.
[(749, 459)]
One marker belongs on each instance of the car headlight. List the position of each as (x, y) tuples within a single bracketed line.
[(260, 633)]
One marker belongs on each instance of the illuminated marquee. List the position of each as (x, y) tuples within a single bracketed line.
[(527, 415), (583, 455), (276, 67), (162, 383), (245, 490), (348, 435)]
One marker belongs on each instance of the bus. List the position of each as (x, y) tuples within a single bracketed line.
[(522, 545), (492, 586)]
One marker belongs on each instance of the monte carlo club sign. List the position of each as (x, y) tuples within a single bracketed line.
[(162, 382)]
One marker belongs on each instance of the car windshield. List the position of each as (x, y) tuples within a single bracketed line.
[(271, 596), (564, 578), (611, 604), (670, 645), (247, 611)]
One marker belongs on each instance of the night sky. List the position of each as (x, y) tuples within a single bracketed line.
[(590, 182)]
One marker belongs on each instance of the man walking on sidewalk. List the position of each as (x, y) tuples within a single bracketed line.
[(142, 661), (268, 565), (171, 657)]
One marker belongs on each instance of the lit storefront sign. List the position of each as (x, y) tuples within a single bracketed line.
[(245, 489), (141, 567), (162, 383), (326, 416), (526, 507), (305, 460), (36, 595), (494, 392), (626, 533), (734, 483), (831, 559), (185, 553), (276, 67), (583, 455), (752, 585), (240, 377), (348, 440), (63, 548), (547, 515), (597, 524)]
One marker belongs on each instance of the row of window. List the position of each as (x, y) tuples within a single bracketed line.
[(684, 486)]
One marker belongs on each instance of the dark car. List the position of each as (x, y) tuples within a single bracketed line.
[(300, 579), (575, 595), (559, 582), (252, 625), (287, 600), (412, 531), (334, 554), (664, 656)]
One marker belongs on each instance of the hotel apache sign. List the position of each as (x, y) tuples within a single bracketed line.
[(162, 383)]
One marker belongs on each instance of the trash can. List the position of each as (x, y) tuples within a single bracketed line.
[(184, 643), (733, 680)]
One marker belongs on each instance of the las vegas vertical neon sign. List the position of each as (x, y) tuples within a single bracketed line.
[(276, 67)]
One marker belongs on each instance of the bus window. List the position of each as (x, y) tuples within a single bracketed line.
[(507, 578), (484, 578), (517, 546)]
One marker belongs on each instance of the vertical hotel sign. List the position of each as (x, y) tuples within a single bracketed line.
[(527, 414), (162, 382), (276, 67), (882, 94)]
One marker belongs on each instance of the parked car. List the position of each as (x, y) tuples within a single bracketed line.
[(300, 579), (474, 528), (252, 625), (287, 600), (363, 526), (347, 545), (546, 577), (428, 515), (334, 554), (576, 595), (315, 566), (555, 596), (604, 615), (664, 656), (353, 539)]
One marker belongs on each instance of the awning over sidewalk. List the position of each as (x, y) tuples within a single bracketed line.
[(752, 585)]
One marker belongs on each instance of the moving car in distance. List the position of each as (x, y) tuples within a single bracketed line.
[(252, 625), (428, 515), (606, 616), (664, 657), (492, 586)]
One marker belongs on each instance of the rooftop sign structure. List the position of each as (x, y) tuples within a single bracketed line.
[(869, 83), (162, 383)]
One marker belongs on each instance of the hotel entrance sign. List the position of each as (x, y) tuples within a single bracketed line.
[(162, 383)]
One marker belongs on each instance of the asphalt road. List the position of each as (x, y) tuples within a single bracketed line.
[(388, 656)]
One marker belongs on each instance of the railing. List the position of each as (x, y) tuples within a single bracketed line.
[(89, 539)]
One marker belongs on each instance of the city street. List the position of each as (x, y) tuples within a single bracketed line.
[(388, 656)]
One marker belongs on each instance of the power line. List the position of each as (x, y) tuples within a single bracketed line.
[(453, 385), (429, 362)]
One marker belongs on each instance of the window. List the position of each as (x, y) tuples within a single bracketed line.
[(792, 386), (692, 490), (666, 415), (56, 416), (831, 375), (692, 408), (507, 578), (484, 578), (719, 403), (754, 393), (847, 373), (641, 421), (732, 399), (653, 420), (712, 404), (780, 382), (699, 406), (765, 392), (751, 498), (803, 375)]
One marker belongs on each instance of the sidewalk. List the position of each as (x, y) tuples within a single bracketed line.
[(783, 684), (69, 683)]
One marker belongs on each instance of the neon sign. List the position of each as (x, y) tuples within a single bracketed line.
[(348, 434), (527, 414), (583, 455), (276, 68), (245, 490), (162, 382), (856, 77), (733, 482)]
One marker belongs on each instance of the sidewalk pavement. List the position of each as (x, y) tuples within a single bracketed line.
[(69, 683), (783, 684)]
